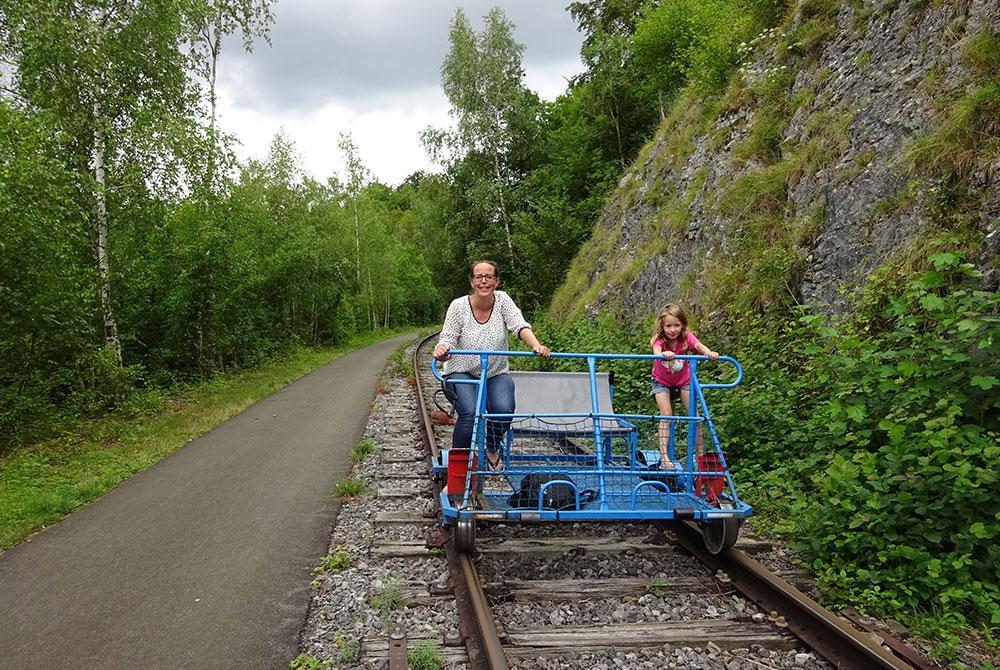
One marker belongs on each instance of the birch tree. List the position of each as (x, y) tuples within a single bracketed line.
[(107, 71), (209, 22), (357, 177), (116, 76), (482, 78)]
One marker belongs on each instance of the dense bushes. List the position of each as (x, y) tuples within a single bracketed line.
[(47, 296), (905, 511), (873, 442)]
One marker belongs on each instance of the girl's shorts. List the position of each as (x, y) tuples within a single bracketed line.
[(674, 391)]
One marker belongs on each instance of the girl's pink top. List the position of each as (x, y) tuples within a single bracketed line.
[(682, 377)]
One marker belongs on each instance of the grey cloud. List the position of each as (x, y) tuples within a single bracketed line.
[(363, 53)]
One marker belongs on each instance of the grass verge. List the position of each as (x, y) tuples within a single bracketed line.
[(41, 483)]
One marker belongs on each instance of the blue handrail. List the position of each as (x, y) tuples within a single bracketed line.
[(648, 357), (601, 467)]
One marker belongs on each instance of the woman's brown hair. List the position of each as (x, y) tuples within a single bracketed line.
[(496, 268)]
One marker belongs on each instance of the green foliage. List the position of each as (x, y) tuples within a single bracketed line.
[(817, 24), (309, 662), (684, 42), (349, 488), (981, 54), (46, 280), (206, 271), (758, 272), (339, 560), (496, 120), (362, 450), (348, 648), (755, 193), (388, 595), (42, 482), (968, 137), (769, 98), (424, 656), (903, 511), (654, 587)]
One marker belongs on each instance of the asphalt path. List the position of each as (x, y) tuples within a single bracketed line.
[(202, 560)]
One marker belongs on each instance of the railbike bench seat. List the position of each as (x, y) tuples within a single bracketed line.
[(558, 405)]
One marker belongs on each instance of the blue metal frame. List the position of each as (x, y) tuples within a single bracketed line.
[(637, 496)]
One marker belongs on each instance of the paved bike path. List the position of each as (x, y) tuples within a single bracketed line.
[(202, 560)]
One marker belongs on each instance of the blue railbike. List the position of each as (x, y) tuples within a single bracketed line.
[(568, 456)]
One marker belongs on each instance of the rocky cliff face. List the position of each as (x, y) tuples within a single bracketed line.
[(801, 180)]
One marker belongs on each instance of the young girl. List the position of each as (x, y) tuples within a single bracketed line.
[(670, 338)]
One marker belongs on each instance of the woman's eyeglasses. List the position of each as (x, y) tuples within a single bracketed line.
[(484, 277)]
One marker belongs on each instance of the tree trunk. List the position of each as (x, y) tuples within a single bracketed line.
[(618, 135), (215, 47), (101, 237), (503, 208), (357, 240), (370, 304)]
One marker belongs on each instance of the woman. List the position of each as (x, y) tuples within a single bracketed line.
[(481, 321)]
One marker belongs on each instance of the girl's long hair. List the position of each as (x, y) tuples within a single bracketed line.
[(670, 309)]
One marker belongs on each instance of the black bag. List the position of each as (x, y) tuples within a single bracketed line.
[(558, 496)]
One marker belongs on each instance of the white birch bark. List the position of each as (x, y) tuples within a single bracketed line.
[(101, 236)]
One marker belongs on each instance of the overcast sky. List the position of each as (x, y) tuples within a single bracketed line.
[(372, 68)]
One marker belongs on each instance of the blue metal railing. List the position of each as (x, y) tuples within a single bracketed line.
[(696, 387)]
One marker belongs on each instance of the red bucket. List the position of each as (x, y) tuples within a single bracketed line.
[(709, 486), (458, 468)]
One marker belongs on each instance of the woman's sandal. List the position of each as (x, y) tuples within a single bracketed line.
[(494, 464)]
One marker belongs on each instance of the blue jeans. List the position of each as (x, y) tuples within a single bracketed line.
[(499, 400)]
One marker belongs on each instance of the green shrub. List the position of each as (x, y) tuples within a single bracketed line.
[(818, 25), (870, 439), (100, 383), (388, 595), (969, 134), (348, 649), (424, 656), (349, 488), (309, 662), (981, 54), (362, 450), (757, 193), (904, 512), (339, 560)]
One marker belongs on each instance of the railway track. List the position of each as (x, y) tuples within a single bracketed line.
[(564, 595), (633, 595)]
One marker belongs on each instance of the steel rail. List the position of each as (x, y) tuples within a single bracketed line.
[(486, 649), (838, 642)]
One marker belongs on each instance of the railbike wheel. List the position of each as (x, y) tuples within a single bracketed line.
[(720, 534), (465, 536)]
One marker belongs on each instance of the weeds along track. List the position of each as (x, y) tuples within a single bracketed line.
[(626, 595)]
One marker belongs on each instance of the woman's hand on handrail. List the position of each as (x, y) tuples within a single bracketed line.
[(441, 353)]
